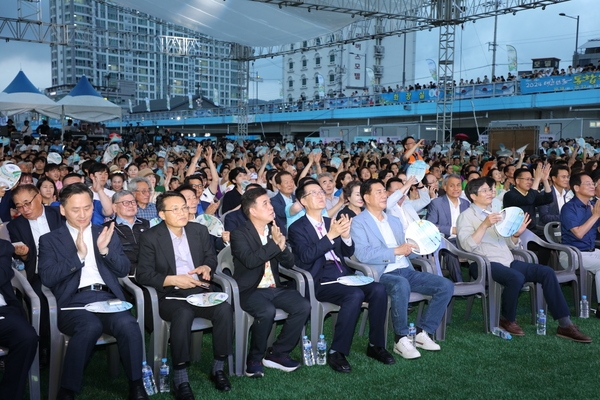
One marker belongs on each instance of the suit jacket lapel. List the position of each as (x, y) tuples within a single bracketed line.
[(166, 245), (194, 247)]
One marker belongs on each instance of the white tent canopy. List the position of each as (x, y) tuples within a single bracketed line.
[(21, 96), (85, 103), (242, 21)]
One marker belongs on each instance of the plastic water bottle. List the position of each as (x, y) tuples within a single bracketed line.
[(164, 377), (321, 351), (309, 358), (541, 323), (501, 333), (18, 264), (584, 307), (148, 379), (412, 333)]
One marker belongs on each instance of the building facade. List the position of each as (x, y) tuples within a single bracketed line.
[(119, 50), (371, 65)]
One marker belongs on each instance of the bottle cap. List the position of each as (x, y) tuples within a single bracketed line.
[(321, 336), (164, 360), (541, 310), (584, 297), (305, 337), (508, 336)]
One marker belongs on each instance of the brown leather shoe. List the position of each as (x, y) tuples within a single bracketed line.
[(511, 327), (572, 332)]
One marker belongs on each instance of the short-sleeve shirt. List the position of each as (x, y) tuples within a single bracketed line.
[(573, 214)]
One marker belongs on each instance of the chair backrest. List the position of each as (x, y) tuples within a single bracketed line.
[(225, 215), (552, 232), (225, 261), (481, 261)]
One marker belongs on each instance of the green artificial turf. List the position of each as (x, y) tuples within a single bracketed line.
[(471, 365)]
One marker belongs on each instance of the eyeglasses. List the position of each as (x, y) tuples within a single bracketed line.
[(127, 203), (588, 184), (25, 204), (319, 193), (184, 209), (197, 186), (485, 191), (146, 191)]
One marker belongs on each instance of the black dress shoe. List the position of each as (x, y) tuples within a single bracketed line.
[(137, 392), (65, 394), (221, 381), (380, 354), (337, 361), (184, 392)]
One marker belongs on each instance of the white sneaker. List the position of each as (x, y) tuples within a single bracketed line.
[(423, 341), (405, 348)]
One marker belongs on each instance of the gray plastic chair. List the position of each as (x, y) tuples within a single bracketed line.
[(59, 341), (426, 267), (319, 310), (562, 275), (471, 288), (243, 321), (553, 234), (160, 336), (20, 283)]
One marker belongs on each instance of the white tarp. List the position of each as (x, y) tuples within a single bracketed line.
[(243, 21), (85, 103), (21, 96)]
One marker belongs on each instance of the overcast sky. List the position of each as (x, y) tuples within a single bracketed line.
[(534, 33)]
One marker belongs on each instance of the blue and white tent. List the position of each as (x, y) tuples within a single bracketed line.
[(85, 103), (22, 96)]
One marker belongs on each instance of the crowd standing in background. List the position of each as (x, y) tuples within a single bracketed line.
[(282, 203)]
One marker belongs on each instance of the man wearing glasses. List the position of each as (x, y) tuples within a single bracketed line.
[(525, 193), (128, 226), (35, 220), (579, 224), (140, 187), (476, 234), (178, 259)]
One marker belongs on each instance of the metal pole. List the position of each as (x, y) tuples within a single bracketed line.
[(577, 39), (494, 45), (404, 63)]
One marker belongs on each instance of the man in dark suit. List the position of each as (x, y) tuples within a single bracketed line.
[(178, 259), (35, 220), (80, 263), (257, 250), (443, 213), (285, 184), (559, 175), (16, 333), (235, 218), (320, 245)]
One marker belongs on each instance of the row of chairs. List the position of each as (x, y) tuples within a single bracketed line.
[(305, 285)]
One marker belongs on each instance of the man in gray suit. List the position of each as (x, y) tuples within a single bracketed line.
[(443, 213)]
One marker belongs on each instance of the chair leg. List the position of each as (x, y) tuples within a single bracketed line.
[(34, 376), (363, 322), (484, 312)]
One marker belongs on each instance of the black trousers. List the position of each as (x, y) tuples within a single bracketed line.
[(16, 334), (350, 299), (262, 305), (85, 328), (181, 316)]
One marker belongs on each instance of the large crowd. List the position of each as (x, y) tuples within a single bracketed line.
[(172, 213)]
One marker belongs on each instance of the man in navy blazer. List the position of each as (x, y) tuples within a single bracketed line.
[(443, 213), (258, 248), (319, 245), (286, 186), (35, 220), (16, 333), (81, 264), (380, 243)]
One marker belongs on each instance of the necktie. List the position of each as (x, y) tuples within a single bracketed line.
[(337, 264)]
